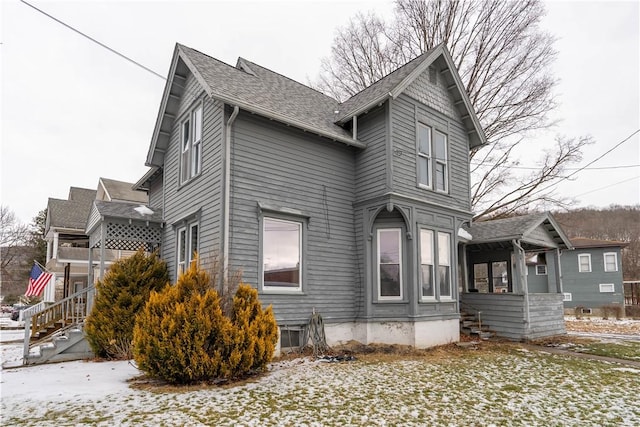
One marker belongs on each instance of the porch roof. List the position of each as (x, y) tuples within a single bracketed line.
[(526, 229)]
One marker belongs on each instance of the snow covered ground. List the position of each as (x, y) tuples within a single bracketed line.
[(496, 385)]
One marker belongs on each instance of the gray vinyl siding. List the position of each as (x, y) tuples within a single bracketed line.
[(202, 194), (155, 192), (371, 163), (282, 167), (540, 283), (505, 314), (406, 112), (584, 286)]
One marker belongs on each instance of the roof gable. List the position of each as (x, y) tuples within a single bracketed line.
[(250, 87), (395, 83), (525, 228), (114, 190)]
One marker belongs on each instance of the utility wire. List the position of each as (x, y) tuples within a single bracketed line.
[(570, 169), (95, 41), (607, 186), (588, 164)]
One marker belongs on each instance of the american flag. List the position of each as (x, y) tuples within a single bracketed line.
[(38, 279)]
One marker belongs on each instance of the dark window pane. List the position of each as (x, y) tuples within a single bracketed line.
[(426, 280), (444, 280), (390, 280)]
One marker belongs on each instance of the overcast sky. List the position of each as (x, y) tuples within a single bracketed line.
[(73, 112)]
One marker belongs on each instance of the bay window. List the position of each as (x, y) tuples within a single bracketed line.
[(389, 260)]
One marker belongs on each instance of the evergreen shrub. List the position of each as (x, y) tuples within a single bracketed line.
[(120, 295), (182, 335)]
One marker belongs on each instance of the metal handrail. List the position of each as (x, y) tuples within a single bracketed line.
[(72, 310)]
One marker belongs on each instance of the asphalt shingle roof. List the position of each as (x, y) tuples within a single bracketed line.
[(506, 228), (258, 87), (379, 88), (120, 190), (582, 242), (71, 213), (128, 211)]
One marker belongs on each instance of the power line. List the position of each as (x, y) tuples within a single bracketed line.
[(538, 168), (607, 186), (94, 40), (588, 164)]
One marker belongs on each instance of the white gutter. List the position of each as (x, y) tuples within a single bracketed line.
[(227, 189)]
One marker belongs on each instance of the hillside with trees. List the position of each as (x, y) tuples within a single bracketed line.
[(620, 223)]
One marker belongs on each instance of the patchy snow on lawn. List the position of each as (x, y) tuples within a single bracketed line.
[(492, 386)]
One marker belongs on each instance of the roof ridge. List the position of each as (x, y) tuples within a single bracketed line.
[(289, 78), (388, 74), (215, 59)]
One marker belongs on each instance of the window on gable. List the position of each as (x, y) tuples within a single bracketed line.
[(432, 159), (584, 263), (426, 264), (610, 261), (444, 265), (440, 143), (389, 257), (424, 155), (191, 145), (281, 255), (187, 245)]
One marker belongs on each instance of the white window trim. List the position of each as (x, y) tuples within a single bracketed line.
[(567, 296), (192, 150), (429, 298), (580, 264), (607, 287), (281, 289), (539, 273), (451, 296), (187, 229), (444, 162), (615, 259), (400, 260), (428, 156)]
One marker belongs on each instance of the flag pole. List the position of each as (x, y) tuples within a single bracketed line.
[(42, 267)]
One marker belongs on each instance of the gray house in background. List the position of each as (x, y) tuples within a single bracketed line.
[(351, 209), (592, 275)]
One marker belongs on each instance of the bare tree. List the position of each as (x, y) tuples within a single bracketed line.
[(503, 58), (13, 234)]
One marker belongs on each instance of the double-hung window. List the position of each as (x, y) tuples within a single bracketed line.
[(440, 144), (424, 155), (444, 265), (187, 245), (610, 261), (426, 264), (281, 254), (584, 263), (191, 145), (432, 159), (389, 259)]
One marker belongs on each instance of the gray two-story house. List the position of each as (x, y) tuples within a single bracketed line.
[(593, 276), (352, 210)]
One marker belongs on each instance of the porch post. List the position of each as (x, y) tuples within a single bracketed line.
[(103, 239), (558, 275), (520, 271)]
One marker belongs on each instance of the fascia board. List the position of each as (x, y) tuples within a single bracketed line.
[(163, 106)]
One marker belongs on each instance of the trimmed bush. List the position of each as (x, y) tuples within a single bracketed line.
[(120, 295), (182, 336)]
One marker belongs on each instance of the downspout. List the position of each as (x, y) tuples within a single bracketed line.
[(227, 190), (523, 281)]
